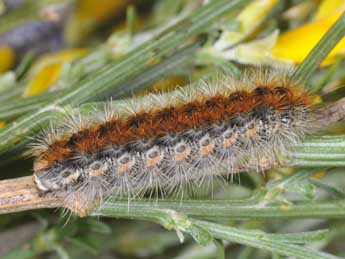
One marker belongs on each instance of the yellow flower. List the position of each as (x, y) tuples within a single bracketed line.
[(48, 68), (286, 48), (328, 8), (294, 45), (2, 124), (7, 59)]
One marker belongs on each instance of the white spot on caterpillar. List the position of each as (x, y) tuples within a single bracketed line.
[(125, 163)]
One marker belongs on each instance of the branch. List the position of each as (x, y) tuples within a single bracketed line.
[(21, 194)]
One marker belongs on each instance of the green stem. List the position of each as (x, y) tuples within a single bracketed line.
[(260, 240), (234, 209), (320, 151), (203, 231)]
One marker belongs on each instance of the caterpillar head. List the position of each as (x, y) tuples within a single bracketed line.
[(52, 179)]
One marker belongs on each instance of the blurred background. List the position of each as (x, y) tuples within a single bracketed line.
[(48, 46)]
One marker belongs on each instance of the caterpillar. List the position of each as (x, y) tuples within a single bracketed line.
[(166, 143)]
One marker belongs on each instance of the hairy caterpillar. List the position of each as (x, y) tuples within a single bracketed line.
[(164, 143)]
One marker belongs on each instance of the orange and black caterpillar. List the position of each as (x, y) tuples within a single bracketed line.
[(171, 142)]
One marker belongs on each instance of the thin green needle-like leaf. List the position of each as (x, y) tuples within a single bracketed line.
[(321, 50), (261, 240)]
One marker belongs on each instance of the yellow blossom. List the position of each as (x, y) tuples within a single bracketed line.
[(47, 70)]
